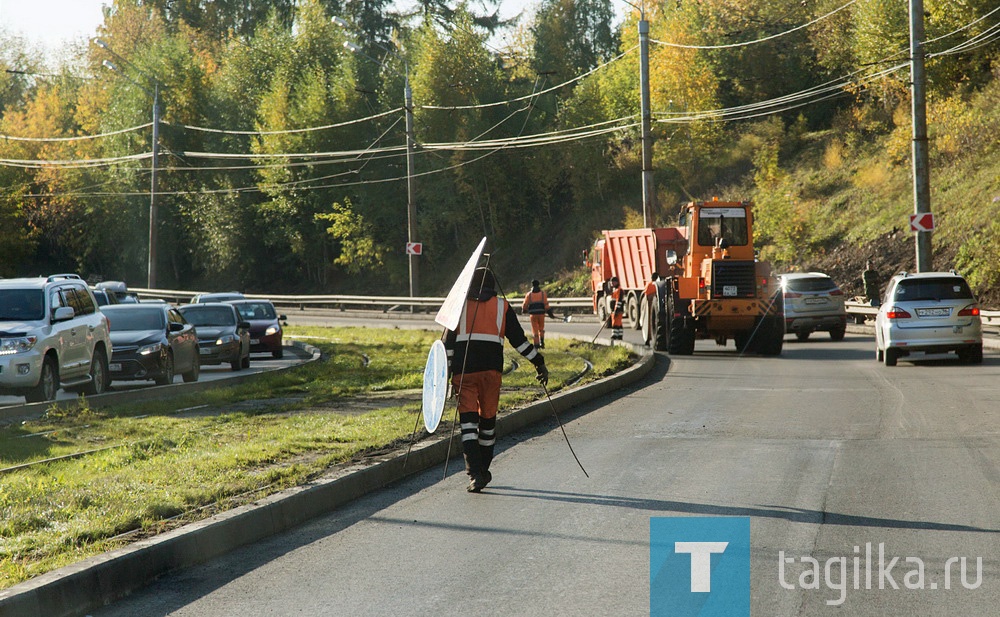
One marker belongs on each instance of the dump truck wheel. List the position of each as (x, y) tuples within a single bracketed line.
[(632, 310), (602, 309)]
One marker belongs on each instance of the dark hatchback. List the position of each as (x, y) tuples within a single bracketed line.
[(223, 336), (265, 325), (151, 342)]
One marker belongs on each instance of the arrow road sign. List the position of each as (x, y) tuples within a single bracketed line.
[(923, 221), (414, 248)]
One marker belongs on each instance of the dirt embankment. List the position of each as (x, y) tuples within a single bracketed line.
[(892, 253)]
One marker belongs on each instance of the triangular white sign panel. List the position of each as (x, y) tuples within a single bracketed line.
[(451, 311)]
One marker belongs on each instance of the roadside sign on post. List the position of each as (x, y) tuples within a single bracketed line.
[(923, 221), (414, 248)]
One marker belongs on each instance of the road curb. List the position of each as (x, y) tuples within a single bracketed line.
[(73, 590)]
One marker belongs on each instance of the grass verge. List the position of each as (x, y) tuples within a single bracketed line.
[(131, 471)]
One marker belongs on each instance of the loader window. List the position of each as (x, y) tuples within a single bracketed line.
[(729, 224)]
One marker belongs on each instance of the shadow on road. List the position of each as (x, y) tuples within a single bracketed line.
[(794, 515)]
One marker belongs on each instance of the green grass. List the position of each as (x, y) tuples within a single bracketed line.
[(152, 466)]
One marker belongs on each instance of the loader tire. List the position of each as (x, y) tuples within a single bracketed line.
[(771, 336), (680, 338), (661, 330)]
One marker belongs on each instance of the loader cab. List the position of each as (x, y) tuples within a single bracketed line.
[(717, 231)]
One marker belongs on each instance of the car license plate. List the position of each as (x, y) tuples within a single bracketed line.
[(729, 290), (934, 312), (115, 367), (204, 351), (816, 300), (255, 341)]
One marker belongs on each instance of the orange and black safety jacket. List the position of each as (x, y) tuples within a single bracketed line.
[(617, 306), (536, 303), (477, 344)]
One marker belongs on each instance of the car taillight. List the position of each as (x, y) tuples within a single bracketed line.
[(836, 292), (792, 294), (897, 313), (970, 311)]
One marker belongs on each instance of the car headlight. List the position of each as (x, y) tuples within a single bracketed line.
[(225, 340), (272, 330), (150, 349), (20, 344)]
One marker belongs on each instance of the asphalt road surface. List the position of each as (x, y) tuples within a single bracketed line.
[(827, 452)]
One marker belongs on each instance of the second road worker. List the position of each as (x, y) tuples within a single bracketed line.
[(475, 360), (536, 304)]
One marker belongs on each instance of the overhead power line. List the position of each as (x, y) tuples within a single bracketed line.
[(74, 163), (77, 137), (761, 40), (534, 95), (289, 131)]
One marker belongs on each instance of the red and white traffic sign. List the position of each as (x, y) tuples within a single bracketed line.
[(923, 221), (414, 248)]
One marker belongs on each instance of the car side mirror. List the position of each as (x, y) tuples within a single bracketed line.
[(175, 327), (243, 325), (282, 318), (63, 313)]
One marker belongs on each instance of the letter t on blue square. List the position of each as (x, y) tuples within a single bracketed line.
[(699, 566)]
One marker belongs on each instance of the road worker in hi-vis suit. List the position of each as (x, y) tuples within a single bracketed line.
[(475, 356)]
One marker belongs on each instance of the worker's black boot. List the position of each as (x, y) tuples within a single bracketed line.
[(470, 448), (487, 439)]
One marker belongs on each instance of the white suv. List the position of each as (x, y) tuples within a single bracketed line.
[(51, 334), (931, 312)]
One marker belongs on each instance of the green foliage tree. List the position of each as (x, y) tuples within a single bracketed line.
[(572, 36), (359, 252), (218, 18)]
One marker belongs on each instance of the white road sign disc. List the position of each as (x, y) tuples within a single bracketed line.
[(435, 385)]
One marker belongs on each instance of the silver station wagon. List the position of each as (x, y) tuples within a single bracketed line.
[(929, 312)]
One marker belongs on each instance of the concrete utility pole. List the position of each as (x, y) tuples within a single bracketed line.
[(921, 167), (648, 189), (411, 207), (155, 93), (151, 267)]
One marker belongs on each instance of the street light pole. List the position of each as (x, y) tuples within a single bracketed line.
[(154, 161)]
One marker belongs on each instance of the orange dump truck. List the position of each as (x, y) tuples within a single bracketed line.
[(633, 255), (711, 284)]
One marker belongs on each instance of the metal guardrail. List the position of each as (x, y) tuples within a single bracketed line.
[(400, 303), (387, 303)]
